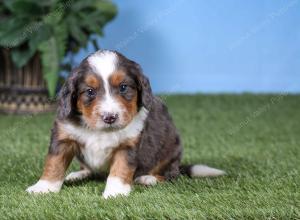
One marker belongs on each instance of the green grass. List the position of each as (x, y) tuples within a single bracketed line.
[(255, 138)]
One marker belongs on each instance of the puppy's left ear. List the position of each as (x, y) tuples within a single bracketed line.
[(146, 95), (67, 97)]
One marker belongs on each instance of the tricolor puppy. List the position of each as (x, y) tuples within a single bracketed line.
[(109, 119)]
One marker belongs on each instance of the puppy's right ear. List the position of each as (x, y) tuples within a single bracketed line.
[(67, 97)]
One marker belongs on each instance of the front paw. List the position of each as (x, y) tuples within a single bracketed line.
[(44, 186), (115, 187)]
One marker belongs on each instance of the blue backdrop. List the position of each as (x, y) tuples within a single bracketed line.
[(210, 46)]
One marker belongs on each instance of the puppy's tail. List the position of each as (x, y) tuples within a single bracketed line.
[(199, 170)]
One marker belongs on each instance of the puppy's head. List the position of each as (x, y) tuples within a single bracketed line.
[(105, 92)]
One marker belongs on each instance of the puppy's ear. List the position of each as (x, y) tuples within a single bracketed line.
[(67, 97), (144, 88)]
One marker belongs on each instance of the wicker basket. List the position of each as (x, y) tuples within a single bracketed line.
[(22, 90)]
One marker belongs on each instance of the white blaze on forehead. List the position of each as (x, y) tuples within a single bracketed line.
[(104, 63)]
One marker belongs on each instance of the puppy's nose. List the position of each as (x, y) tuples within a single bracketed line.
[(109, 118)]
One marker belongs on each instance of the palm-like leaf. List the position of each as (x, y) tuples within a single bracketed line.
[(50, 62), (51, 27)]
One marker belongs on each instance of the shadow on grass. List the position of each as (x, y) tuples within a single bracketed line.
[(93, 178)]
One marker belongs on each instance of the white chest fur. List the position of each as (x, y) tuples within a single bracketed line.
[(98, 145)]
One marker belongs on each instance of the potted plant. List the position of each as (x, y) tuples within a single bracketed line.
[(35, 36)]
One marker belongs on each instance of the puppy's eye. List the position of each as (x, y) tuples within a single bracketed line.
[(123, 88), (90, 92)]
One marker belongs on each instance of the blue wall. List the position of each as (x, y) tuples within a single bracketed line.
[(210, 46)]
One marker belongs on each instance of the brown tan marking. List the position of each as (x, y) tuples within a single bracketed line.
[(92, 81), (117, 77), (160, 178), (88, 110), (129, 143), (159, 168), (131, 106), (57, 164), (120, 166)]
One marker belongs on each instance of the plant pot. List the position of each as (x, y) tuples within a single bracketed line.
[(22, 91)]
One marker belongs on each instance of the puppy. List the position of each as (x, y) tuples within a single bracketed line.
[(109, 119)]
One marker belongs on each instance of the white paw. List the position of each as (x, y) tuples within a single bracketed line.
[(44, 186), (79, 175), (115, 187), (147, 180)]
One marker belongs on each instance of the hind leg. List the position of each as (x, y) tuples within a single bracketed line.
[(149, 180), (161, 172), (82, 174), (172, 171)]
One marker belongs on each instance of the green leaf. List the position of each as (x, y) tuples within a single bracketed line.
[(76, 32), (80, 5), (95, 44), (61, 36), (52, 52), (52, 27), (50, 63), (92, 22), (106, 7), (21, 57), (15, 32), (55, 17), (23, 8), (42, 34)]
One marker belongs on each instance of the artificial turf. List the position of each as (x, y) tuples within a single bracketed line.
[(254, 138)]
